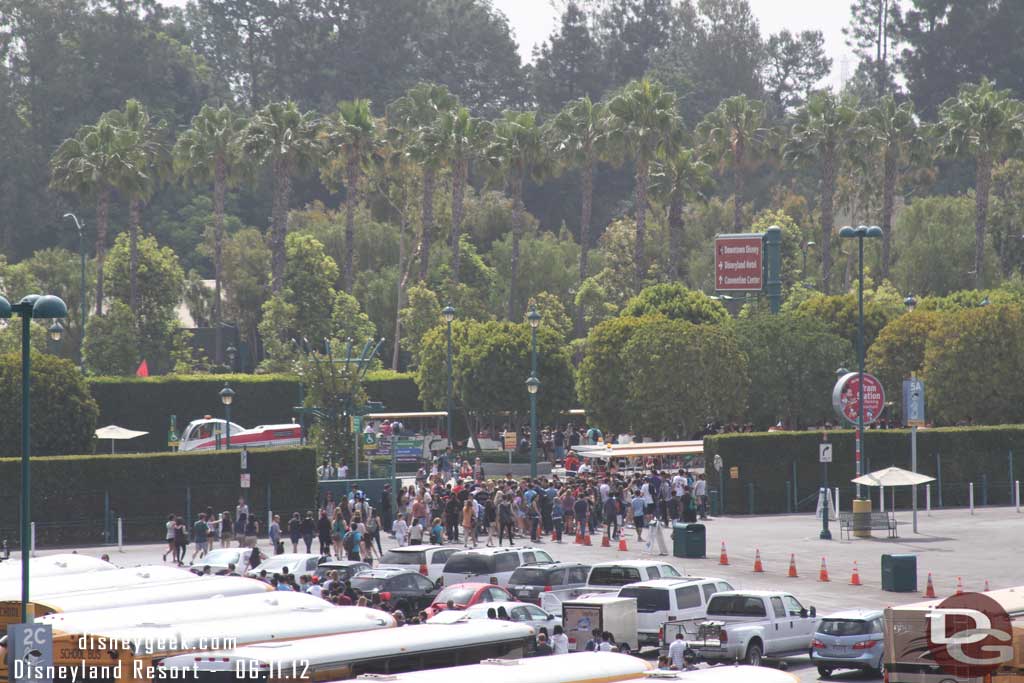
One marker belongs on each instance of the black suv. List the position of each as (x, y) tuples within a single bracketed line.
[(530, 580)]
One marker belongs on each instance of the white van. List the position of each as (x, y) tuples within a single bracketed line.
[(664, 600), (622, 572), (426, 559), (490, 565)]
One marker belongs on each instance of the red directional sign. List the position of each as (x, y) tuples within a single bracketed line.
[(739, 263), (846, 397)]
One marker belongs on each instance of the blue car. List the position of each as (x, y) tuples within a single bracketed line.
[(853, 639)]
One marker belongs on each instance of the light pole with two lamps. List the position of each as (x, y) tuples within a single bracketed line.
[(31, 306), (533, 386), (805, 247), (860, 233), (81, 254), (449, 315), (227, 397)]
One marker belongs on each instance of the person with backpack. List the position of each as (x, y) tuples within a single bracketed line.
[(351, 540), (308, 529), (199, 533), (506, 518), (180, 541), (295, 531), (275, 535), (323, 532), (373, 526), (557, 517), (468, 522)]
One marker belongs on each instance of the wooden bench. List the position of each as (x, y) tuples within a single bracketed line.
[(883, 521)]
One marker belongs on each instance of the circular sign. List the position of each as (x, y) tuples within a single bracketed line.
[(846, 397), (970, 635)]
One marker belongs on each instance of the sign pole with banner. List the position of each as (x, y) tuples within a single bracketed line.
[(913, 416), (750, 263), (858, 398), (824, 457)]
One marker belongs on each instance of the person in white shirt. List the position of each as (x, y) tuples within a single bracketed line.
[(400, 528), (316, 589), (676, 650), (700, 492), (678, 482), (343, 472), (560, 641)]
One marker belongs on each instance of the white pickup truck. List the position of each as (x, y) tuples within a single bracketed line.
[(606, 578), (747, 626)]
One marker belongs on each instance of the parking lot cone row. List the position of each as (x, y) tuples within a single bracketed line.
[(586, 539), (723, 558), (622, 545), (959, 585), (579, 537), (758, 567), (823, 572), (855, 578), (605, 543), (792, 566), (929, 589)]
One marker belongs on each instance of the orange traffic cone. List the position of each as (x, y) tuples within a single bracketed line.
[(986, 587), (758, 567), (959, 586), (579, 536), (792, 566), (929, 590), (605, 543), (823, 572), (723, 558), (622, 544), (855, 579), (586, 539)]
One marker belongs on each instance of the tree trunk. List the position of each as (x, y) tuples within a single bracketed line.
[(641, 221), (220, 173), (403, 279), (429, 182), (828, 191), (517, 233), (458, 193), (279, 224), (134, 218), (351, 197), (587, 207), (888, 202), (982, 187), (675, 235), (738, 179), (102, 221)]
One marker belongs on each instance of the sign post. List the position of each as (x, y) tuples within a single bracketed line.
[(31, 652), (739, 262), (824, 457), (847, 395), (913, 416)]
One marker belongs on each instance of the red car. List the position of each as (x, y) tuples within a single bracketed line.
[(463, 595)]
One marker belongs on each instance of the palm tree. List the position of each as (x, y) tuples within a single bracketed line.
[(642, 116), (983, 124), (89, 165), (462, 137), (419, 110), (893, 130), (679, 176), (820, 135), (289, 141), (733, 135), (518, 151), (578, 135), (208, 152), (354, 136)]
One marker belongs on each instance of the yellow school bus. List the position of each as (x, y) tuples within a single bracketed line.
[(61, 564)]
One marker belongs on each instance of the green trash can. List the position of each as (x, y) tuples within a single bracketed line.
[(899, 573), (689, 540)]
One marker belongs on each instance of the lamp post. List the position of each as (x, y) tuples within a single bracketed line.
[(232, 355), (911, 303), (533, 385), (449, 315), (81, 254), (805, 247), (32, 306), (227, 397), (860, 233), (53, 336)]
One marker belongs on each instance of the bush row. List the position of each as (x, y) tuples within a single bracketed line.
[(76, 498), (988, 456)]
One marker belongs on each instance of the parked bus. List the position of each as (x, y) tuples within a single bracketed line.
[(410, 648), (719, 674), (908, 658), (188, 587), (583, 667), (61, 564), (128, 653)]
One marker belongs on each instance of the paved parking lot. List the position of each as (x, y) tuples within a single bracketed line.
[(951, 544)]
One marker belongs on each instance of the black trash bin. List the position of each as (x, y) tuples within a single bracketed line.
[(689, 540), (899, 573)]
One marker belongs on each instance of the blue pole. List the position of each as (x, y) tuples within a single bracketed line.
[(533, 404), (860, 361), (938, 476)]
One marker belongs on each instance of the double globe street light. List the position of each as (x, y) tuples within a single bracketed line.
[(533, 386)]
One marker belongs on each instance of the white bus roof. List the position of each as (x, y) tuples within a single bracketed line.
[(354, 647), (93, 604), (581, 667), (642, 450), (719, 674), (96, 581), (61, 564), (1011, 600)]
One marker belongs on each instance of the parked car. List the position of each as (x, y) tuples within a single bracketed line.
[(852, 639), (219, 559), (664, 600), (404, 589), (622, 572), (490, 565), (529, 581), (299, 564), (520, 612), (346, 569), (750, 626), (428, 560), (463, 595)]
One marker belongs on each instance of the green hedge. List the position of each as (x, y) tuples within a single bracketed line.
[(70, 494), (955, 455), (147, 403)]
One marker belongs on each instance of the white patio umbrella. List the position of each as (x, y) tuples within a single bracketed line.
[(115, 433), (892, 476)]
